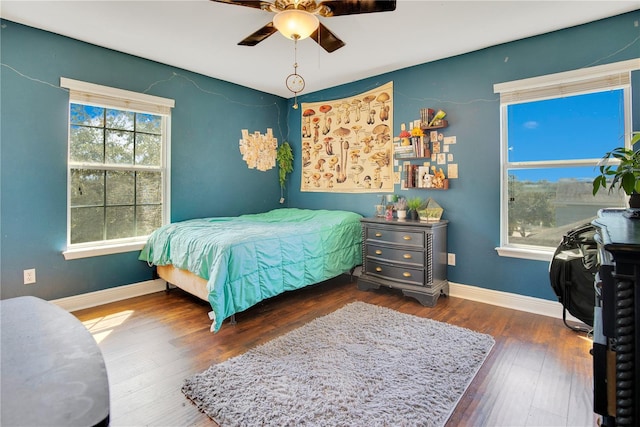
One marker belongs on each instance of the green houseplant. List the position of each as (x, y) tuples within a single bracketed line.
[(624, 175), (400, 206), (284, 157), (413, 204)]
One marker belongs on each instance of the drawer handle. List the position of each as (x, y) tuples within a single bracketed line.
[(378, 234), (407, 237), (378, 252), (378, 269), (406, 274), (407, 256)]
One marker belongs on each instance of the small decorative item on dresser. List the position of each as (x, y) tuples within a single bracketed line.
[(389, 215), (432, 212), (413, 205), (401, 207)]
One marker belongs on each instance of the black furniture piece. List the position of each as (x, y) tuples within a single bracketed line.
[(572, 274), (52, 372), (616, 359), (410, 255)]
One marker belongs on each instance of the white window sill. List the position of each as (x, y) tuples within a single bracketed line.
[(92, 251), (526, 253)]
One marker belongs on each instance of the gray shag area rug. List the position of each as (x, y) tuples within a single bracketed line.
[(362, 365)]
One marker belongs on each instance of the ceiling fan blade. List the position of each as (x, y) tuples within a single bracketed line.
[(256, 4), (326, 39), (259, 35), (352, 7)]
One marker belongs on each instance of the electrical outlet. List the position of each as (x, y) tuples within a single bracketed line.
[(30, 276), (451, 259)]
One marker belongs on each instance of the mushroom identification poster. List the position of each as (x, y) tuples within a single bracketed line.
[(347, 144)]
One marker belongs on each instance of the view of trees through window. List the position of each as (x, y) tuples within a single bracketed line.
[(115, 162), (553, 149), (542, 211)]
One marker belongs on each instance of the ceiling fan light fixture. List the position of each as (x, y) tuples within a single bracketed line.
[(295, 23)]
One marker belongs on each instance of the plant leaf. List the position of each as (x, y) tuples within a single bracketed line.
[(596, 184), (628, 182)]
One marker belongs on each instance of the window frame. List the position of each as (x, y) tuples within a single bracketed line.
[(108, 97), (570, 83)]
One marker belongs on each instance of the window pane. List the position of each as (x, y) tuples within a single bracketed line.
[(575, 127), (120, 188), (149, 187), (118, 119), (149, 123), (87, 187), (546, 203), (87, 225), (119, 147), (148, 219), (148, 149), (120, 222), (86, 115), (114, 173), (86, 144)]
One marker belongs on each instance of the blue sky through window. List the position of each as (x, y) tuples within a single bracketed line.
[(574, 127)]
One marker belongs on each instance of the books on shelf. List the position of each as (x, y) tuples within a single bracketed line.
[(404, 151), (412, 178), (417, 148)]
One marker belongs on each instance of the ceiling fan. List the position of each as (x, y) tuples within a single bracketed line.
[(307, 11)]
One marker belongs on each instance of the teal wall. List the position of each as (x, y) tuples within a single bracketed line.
[(208, 175), (463, 87)]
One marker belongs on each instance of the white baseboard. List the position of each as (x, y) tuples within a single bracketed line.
[(119, 293), (502, 299), (508, 300)]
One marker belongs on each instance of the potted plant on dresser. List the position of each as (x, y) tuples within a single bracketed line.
[(401, 207), (623, 174), (413, 205)]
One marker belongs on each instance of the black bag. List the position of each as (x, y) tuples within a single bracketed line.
[(572, 272)]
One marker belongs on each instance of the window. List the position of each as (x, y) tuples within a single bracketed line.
[(554, 131), (117, 168)]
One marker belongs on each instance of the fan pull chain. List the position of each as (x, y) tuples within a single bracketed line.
[(295, 70)]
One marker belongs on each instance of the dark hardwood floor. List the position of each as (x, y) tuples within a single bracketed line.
[(537, 374)]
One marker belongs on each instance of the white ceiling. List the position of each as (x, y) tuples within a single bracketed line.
[(202, 36)]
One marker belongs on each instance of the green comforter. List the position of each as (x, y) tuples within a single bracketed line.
[(249, 258)]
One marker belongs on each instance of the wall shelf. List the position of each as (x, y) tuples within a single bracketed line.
[(412, 158), (419, 149), (443, 124)]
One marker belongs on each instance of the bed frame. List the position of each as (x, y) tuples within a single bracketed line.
[(197, 286), (188, 282), (183, 279)]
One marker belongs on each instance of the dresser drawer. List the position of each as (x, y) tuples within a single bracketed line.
[(412, 275), (396, 236), (405, 256)]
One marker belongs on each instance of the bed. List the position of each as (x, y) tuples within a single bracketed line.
[(236, 262)]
